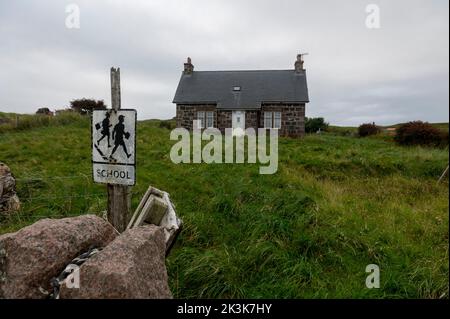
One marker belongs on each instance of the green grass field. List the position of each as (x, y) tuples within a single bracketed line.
[(336, 204)]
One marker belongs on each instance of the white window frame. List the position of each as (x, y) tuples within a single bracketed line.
[(209, 119), (267, 117), (201, 119), (277, 120)]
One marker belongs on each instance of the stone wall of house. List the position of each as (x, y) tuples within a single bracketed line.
[(252, 119), (188, 113), (292, 118), (224, 120)]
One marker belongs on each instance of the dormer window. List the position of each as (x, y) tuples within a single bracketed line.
[(236, 88)]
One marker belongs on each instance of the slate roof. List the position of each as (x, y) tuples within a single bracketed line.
[(257, 87)]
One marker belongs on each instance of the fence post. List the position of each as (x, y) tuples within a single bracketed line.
[(119, 196)]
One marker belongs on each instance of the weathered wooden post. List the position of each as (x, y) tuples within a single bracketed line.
[(119, 196)]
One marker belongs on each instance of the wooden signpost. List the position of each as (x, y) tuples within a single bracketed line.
[(114, 163), (119, 196), (113, 154)]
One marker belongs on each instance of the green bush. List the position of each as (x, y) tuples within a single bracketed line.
[(86, 106), (341, 131), (368, 129), (168, 124), (44, 111), (314, 124), (420, 133)]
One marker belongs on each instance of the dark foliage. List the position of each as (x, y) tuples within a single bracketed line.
[(44, 110), (420, 133), (313, 124), (86, 106), (168, 124), (368, 129)]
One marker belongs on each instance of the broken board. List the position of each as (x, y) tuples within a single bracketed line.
[(157, 208)]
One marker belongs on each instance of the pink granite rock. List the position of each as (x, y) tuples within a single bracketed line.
[(30, 257), (131, 267)]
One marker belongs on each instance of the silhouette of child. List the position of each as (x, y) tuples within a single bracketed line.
[(105, 129), (118, 134)]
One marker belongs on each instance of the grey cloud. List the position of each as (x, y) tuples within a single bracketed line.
[(396, 73)]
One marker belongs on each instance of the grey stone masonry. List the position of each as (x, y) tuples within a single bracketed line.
[(224, 120), (188, 113), (292, 117), (252, 119)]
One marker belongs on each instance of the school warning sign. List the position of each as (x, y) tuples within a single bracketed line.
[(114, 146)]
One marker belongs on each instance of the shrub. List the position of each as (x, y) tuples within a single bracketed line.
[(44, 111), (341, 131), (444, 138), (168, 124), (420, 133), (86, 106), (368, 129), (313, 124)]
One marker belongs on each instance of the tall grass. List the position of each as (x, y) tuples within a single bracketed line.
[(21, 122)]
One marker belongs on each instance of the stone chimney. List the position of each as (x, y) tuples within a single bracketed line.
[(188, 66), (299, 64)]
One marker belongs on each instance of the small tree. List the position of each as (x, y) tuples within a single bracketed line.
[(420, 133), (368, 129), (86, 106), (313, 124)]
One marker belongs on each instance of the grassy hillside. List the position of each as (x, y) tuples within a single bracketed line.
[(10, 122), (335, 205)]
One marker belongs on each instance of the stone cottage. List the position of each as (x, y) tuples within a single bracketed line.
[(243, 99)]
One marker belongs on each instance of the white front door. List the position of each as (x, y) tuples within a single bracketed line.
[(238, 121)]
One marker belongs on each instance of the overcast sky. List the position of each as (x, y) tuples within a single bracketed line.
[(395, 73)]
